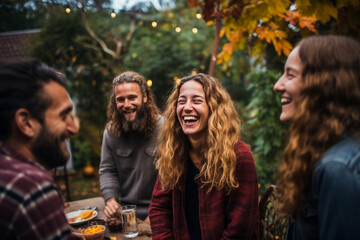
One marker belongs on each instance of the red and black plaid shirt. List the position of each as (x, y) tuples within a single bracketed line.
[(221, 216), (30, 204)]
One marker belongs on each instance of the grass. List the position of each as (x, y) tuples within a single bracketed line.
[(80, 186)]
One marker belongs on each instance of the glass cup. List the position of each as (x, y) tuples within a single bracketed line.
[(129, 223)]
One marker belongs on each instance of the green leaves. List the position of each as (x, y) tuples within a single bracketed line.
[(263, 111)]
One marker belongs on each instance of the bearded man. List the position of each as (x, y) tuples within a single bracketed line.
[(127, 171), (35, 122)]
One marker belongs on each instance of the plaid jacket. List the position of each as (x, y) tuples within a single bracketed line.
[(221, 216), (30, 204)]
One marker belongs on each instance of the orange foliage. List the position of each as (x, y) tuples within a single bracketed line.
[(246, 22), (294, 18)]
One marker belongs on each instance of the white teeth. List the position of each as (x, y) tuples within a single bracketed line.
[(285, 100), (190, 118)]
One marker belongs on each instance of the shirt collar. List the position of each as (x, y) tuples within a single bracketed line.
[(9, 151)]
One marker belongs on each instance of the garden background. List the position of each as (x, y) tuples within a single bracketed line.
[(243, 43)]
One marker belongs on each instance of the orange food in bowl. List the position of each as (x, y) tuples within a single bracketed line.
[(86, 214), (93, 229), (95, 232)]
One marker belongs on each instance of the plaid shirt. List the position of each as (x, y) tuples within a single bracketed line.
[(30, 204), (221, 216)]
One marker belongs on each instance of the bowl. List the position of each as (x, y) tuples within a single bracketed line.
[(114, 224), (95, 222), (95, 232)]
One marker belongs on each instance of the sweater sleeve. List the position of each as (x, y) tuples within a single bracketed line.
[(109, 179), (160, 213), (242, 206)]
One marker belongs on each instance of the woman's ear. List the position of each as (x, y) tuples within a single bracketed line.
[(25, 123)]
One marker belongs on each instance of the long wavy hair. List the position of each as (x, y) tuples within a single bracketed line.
[(223, 131), (327, 109), (114, 125)]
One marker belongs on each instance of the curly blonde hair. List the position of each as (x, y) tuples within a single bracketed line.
[(327, 108), (218, 170), (151, 111)]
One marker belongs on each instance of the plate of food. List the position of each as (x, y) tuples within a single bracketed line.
[(81, 216)]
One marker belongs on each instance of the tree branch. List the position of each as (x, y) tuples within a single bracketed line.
[(118, 48), (216, 41), (130, 35), (93, 35)]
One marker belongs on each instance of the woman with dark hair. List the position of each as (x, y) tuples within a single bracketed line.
[(207, 185), (319, 180)]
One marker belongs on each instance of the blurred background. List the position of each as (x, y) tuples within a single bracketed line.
[(243, 43)]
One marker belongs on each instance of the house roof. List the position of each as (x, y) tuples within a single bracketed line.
[(15, 44)]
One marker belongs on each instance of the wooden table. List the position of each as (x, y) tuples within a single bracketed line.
[(99, 202)]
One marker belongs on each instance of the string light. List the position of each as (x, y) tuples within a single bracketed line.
[(198, 15), (194, 30), (67, 9), (113, 14), (178, 29), (154, 24), (177, 80), (149, 83)]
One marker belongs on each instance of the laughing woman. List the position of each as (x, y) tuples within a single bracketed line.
[(319, 181), (207, 186)]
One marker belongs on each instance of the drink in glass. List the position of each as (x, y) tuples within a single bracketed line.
[(129, 223)]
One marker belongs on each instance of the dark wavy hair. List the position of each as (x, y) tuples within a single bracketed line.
[(114, 125), (327, 109), (21, 86)]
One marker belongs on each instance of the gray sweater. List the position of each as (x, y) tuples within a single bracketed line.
[(127, 171)]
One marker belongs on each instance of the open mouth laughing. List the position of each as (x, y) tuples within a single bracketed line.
[(190, 119), (129, 111), (285, 101), (129, 114)]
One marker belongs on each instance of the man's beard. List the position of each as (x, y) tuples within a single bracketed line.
[(136, 125), (47, 149)]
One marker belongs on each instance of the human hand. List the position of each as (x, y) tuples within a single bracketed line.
[(147, 220), (112, 208), (79, 235)]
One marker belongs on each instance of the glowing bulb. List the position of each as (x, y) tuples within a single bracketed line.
[(177, 80), (198, 15), (154, 24), (195, 30), (149, 83), (67, 10), (178, 29), (113, 14)]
